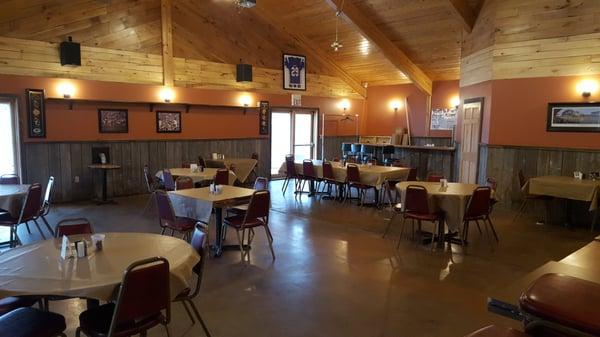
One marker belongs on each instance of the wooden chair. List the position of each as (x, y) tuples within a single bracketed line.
[(416, 207), (167, 218), (143, 302), (527, 197), (257, 215), (184, 183), (200, 243), (353, 181), (478, 209), (29, 212)]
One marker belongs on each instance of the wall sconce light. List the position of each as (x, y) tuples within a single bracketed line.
[(245, 100), (67, 90), (587, 87), (455, 102), (167, 95), (395, 105), (344, 105)]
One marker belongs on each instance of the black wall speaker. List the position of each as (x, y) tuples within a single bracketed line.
[(70, 53), (244, 73)]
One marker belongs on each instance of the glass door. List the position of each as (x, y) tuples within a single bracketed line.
[(8, 139), (303, 136), (293, 132), (281, 139)]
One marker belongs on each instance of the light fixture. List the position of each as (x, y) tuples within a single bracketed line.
[(245, 3), (67, 90), (245, 100), (364, 47), (336, 45), (344, 105), (166, 94), (455, 101), (587, 87), (395, 105)]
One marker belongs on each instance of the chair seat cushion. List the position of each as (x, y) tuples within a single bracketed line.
[(9, 304), (96, 322), (238, 210), (181, 224), (30, 322), (565, 300), (422, 216), (7, 220), (237, 221), (497, 331)]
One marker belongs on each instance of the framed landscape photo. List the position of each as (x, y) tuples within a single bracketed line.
[(36, 113), (294, 72), (168, 121), (113, 121), (573, 117)]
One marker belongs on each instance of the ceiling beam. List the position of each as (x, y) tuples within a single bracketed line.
[(314, 52), (389, 49), (464, 13), (166, 22)]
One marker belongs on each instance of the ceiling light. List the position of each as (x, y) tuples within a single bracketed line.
[(364, 46), (245, 3)]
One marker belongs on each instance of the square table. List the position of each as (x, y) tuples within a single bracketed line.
[(204, 175), (242, 166), (198, 203)]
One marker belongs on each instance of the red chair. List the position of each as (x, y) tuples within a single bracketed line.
[(73, 226), (416, 207), (151, 186), (497, 331), (167, 218), (9, 179), (290, 173), (142, 298), (8, 304), (30, 322), (478, 209), (184, 183), (187, 164), (260, 184), (309, 175), (433, 178), (257, 215), (330, 181), (168, 181), (29, 212), (45, 207), (353, 181), (253, 172), (200, 243), (222, 177)]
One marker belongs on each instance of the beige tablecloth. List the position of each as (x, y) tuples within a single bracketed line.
[(207, 174), (11, 198), (451, 200), (566, 188), (243, 166), (197, 203), (37, 269), (374, 175)]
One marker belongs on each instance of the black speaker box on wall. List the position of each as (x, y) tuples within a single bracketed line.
[(70, 53), (244, 73)]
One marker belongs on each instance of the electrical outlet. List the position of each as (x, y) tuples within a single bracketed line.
[(76, 179)]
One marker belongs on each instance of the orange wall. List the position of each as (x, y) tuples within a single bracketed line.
[(81, 123), (383, 120)]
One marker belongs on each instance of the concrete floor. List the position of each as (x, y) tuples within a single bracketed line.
[(335, 276)]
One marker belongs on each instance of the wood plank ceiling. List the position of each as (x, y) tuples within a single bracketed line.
[(428, 31)]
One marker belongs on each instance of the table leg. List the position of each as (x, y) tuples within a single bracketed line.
[(217, 249), (441, 236), (104, 184)]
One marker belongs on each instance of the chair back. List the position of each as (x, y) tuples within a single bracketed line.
[(352, 173), (412, 175), (143, 293), (261, 183), (308, 169), (416, 200), (479, 204), (346, 147), (73, 226), (201, 161), (46, 202), (434, 178), (328, 170), (254, 156), (290, 166), (168, 180), (373, 161), (492, 183), (397, 163), (522, 179), (187, 164), (9, 179), (259, 205), (165, 208), (199, 242), (355, 148), (184, 183), (149, 179), (222, 177), (31, 206)]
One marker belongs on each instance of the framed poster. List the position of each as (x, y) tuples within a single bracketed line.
[(443, 119), (294, 72), (168, 121), (263, 118), (36, 113), (573, 117), (113, 121)]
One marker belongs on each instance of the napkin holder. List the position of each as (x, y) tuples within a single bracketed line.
[(215, 189), (194, 168), (65, 248), (578, 175)]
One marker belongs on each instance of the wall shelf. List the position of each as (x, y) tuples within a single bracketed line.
[(151, 105)]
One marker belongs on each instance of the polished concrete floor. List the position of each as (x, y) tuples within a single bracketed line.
[(336, 276)]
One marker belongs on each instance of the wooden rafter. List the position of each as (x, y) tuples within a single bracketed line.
[(398, 58), (166, 21), (316, 53), (464, 13)]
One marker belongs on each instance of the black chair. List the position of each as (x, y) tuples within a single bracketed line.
[(29, 212), (45, 207), (8, 304), (143, 296), (30, 322)]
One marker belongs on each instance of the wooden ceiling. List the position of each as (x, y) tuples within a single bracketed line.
[(427, 31)]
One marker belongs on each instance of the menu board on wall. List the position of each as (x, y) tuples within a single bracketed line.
[(443, 119), (36, 113), (263, 118)]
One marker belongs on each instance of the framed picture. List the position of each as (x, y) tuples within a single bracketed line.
[(113, 121), (168, 121), (573, 117), (263, 118), (36, 113), (443, 119), (294, 72)]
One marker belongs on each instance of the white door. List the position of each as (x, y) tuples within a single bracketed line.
[(471, 135)]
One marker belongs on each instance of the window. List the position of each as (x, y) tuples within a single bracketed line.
[(8, 140)]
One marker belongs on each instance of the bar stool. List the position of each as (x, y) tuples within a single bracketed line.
[(355, 148), (346, 150), (367, 152)]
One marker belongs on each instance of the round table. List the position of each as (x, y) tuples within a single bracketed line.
[(11, 198), (37, 269)]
